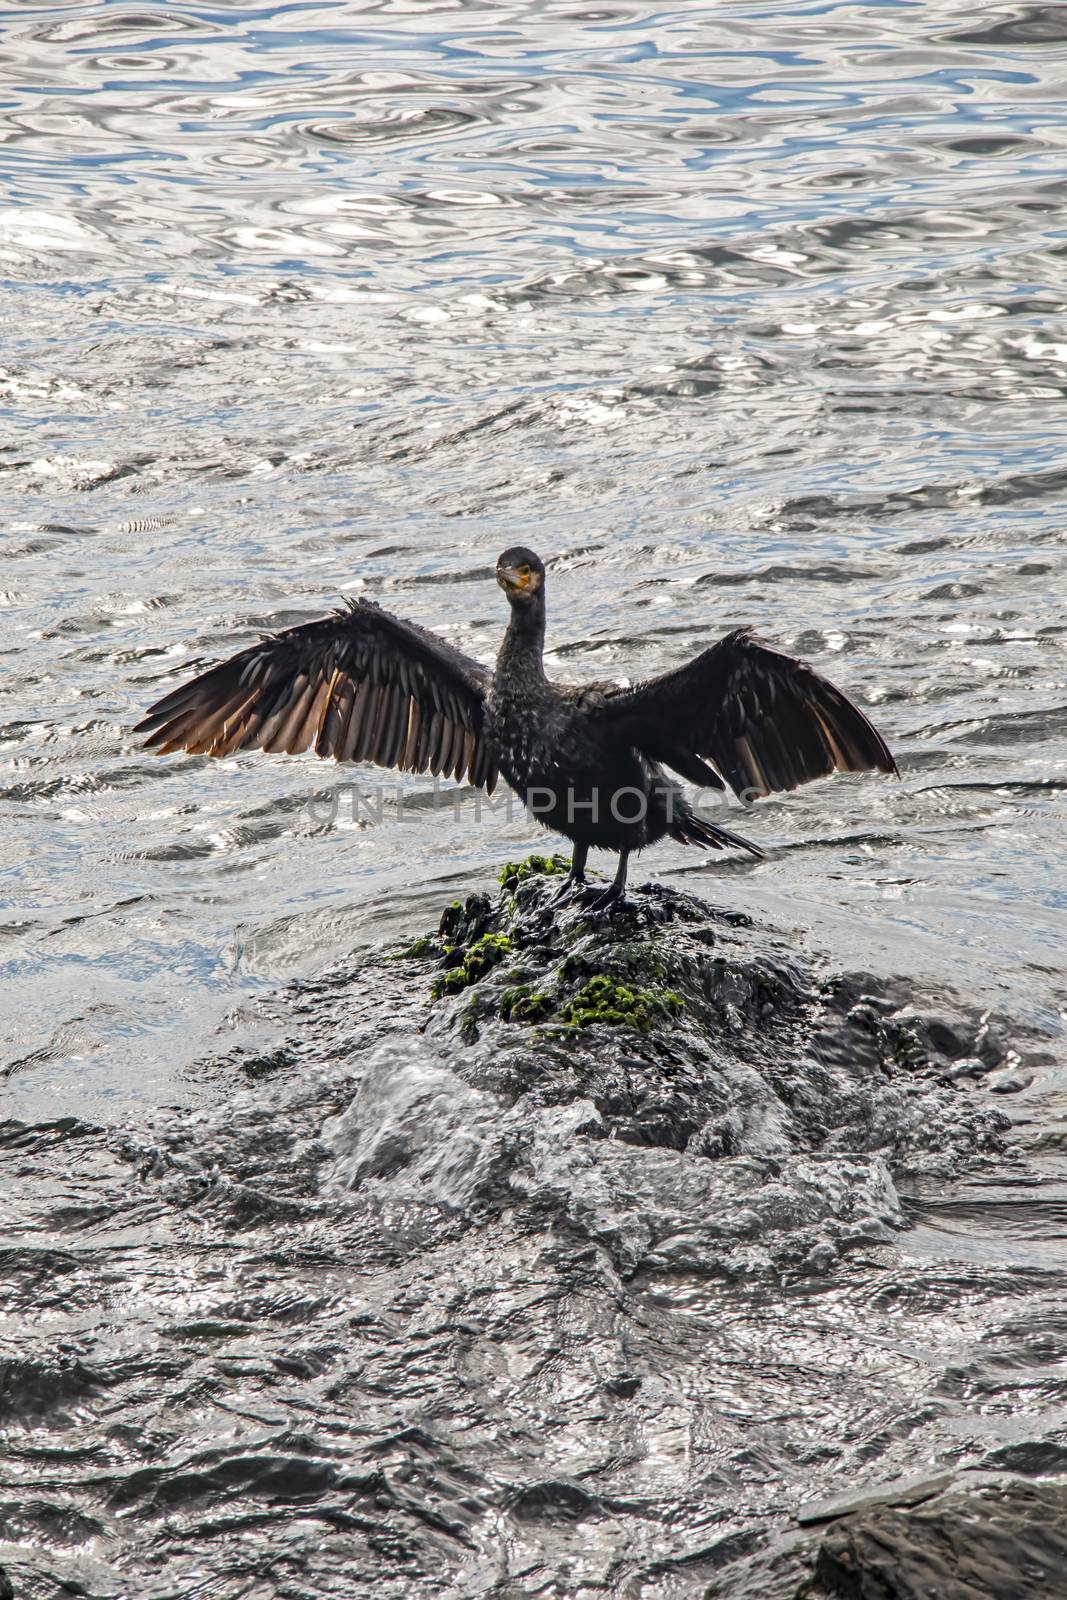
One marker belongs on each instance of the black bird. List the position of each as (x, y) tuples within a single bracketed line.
[(362, 685)]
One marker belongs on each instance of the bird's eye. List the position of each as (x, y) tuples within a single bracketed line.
[(524, 571)]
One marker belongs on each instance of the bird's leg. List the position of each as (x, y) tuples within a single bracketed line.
[(616, 892), (575, 879)]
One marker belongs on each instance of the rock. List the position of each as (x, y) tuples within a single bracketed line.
[(418, 1131), (691, 1030), (1031, 1456), (904, 1492), (995, 1543), (1008, 1081), (674, 1086)]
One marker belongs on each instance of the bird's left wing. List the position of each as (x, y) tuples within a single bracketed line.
[(766, 720), (359, 685)]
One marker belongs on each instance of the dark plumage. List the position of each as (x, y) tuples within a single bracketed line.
[(361, 685)]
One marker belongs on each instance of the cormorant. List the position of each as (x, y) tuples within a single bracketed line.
[(362, 685)]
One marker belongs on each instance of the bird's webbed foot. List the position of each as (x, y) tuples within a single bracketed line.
[(607, 902), (571, 886)]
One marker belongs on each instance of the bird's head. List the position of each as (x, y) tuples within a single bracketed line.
[(520, 574)]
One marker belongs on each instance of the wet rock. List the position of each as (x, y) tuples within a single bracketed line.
[(904, 1492), (694, 1031), (1008, 1081), (998, 1543), (553, 1502), (1032, 1457), (679, 1088), (417, 1130)]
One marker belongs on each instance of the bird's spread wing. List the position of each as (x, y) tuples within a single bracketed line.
[(766, 720), (359, 685)]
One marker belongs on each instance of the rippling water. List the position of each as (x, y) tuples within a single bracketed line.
[(737, 312), (742, 313)]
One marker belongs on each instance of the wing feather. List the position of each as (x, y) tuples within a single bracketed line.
[(368, 739), (354, 737), (338, 712), (286, 720), (465, 769), (398, 716), (454, 756), (411, 738), (427, 743)]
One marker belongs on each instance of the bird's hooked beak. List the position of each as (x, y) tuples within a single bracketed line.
[(515, 580)]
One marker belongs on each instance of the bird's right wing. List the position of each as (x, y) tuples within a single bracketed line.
[(358, 685)]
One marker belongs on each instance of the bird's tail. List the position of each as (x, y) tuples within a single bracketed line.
[(689, 828)]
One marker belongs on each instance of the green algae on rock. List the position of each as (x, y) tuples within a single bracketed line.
[(479, 958), (605, 1001), (622, 985), (516, 872), (524, 1003)]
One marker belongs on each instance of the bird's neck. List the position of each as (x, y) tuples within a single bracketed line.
[(524, 641)]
